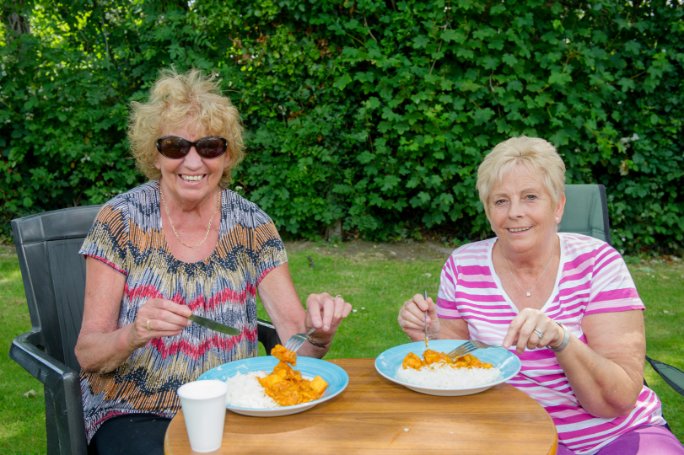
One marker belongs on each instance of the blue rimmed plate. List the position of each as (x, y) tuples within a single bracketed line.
[(388, 363), (335, 376)]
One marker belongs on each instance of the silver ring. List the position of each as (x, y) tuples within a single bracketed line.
[(147, 325), (539, 333)]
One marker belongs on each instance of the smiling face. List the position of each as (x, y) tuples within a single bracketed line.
[(191, 179), (522, 212), (177, 100)]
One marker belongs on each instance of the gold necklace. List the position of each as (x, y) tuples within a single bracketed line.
[(528, 292), (173, 228)]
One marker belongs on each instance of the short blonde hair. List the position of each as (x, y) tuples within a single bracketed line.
[(537, 154), (183, 100)]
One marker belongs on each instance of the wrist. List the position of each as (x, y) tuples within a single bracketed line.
[(318, 343), (565, 339), (127, 339)]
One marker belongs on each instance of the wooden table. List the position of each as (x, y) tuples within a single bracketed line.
[(374, 415)]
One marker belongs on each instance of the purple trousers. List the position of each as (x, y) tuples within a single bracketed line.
[(647, 440)]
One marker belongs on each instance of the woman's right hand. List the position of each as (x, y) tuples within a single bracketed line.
[(102, 345), (158, 318), (412, 319)]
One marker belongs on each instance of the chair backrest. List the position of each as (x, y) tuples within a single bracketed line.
[(586, 211), (54, 275), (54, 278)]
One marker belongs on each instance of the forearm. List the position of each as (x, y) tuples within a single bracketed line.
[(100, 352), (603, 387), (289, 316), (311, 350)]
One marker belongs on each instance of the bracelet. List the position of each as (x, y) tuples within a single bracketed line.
[(316, 343), (564, 343)]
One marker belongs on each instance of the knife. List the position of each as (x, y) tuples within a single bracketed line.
[(213, 325)]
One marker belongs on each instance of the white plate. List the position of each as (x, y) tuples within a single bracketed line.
[(334, 375), (390, 361)]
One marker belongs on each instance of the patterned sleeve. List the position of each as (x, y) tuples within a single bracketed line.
[(270, 249), (612, 287), (254, 229), (108, 238)]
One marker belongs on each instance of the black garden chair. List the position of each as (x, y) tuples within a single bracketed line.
[(54, 280)]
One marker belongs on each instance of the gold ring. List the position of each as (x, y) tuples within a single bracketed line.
[(147, 324), (539, 333)]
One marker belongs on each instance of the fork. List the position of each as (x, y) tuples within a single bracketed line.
[(297, 340), (425, 329), (466, 348)]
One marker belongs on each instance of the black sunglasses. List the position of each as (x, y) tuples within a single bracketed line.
[(176, 147)]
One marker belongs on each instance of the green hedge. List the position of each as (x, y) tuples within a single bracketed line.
[(363, 117)]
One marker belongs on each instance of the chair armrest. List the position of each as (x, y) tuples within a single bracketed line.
[(63, 407), (267, 334), (670, 374), (26, 351)]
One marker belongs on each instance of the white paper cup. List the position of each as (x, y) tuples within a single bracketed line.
[(204, 409)]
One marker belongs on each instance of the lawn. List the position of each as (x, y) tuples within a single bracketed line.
[(376, 279)]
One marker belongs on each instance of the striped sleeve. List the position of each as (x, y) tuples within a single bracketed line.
[(600, 272)]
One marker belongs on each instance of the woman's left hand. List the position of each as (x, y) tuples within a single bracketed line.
[(532, 329), (325, 313)]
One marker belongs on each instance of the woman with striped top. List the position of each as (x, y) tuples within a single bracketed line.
[(565, 303)]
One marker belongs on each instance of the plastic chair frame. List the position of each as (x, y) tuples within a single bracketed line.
[(53, 274)]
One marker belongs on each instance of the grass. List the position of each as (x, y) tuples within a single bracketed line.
[(376, 279), (22, 410)]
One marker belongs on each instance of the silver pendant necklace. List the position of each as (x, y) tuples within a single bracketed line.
[(528, 292)]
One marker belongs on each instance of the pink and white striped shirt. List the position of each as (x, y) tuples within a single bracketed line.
[(592, 278)]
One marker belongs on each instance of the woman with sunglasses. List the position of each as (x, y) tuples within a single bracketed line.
[(180, 244)]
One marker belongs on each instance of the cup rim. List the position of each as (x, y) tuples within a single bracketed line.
[(211, 388)]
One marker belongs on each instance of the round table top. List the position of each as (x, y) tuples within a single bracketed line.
[(374, 415)]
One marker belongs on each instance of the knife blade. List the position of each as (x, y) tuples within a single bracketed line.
[(213, 325)]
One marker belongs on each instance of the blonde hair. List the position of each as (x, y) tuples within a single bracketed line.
[(183, 100), (537, 154)]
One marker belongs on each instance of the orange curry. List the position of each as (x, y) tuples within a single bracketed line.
[(431, 357), (286, 385)]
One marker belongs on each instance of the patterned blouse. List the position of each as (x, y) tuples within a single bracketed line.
[(127, 235), (592, 279)]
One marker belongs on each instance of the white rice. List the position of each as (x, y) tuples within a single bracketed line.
[(245, 391), (442, 376)]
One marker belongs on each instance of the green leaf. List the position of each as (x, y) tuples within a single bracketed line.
[(559, 78), (453, 36), (342, 81)]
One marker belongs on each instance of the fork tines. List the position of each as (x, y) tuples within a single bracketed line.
[(295, 342), (462, 350)]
